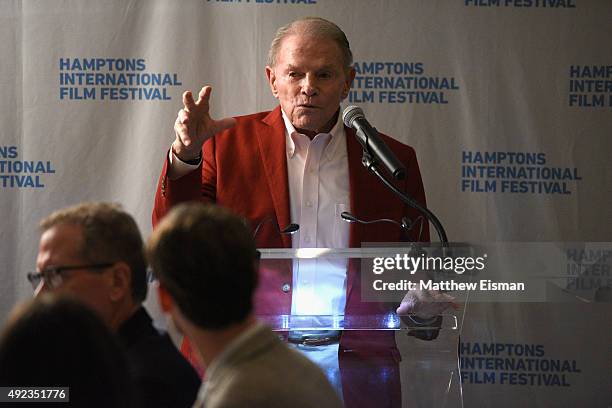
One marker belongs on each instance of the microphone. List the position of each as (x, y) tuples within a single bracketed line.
[(406, 224), (371, 142), (288, 230)]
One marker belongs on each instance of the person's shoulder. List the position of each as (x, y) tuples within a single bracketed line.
[(246, 126), (258, 116), (160, 372), (395, 144), (404, 152), (239, 138), (279, 373), (155, 358), (266, 353)]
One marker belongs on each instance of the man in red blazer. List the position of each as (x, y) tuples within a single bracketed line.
[(242, 163)]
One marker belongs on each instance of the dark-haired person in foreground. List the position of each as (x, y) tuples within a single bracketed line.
[(206, 262), (94, 251), (57, 341)]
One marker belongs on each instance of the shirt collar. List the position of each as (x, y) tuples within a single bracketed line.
[(334, 143)]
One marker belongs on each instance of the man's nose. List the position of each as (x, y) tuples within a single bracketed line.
[(309, 85)]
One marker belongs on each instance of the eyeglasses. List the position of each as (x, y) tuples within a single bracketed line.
[(52, 275)]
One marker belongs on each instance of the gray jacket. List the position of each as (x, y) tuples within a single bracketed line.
[(259, 370)]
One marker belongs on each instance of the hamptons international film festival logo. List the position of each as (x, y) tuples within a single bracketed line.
[(400, 82), (16, 173), (589, 268), (515, 173), (113, 79), (515, 364), (417, 270), (590, 86)]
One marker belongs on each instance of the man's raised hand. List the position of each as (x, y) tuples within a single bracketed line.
[(193, 125)]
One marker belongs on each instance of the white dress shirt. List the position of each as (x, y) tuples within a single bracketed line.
[(319, 192)]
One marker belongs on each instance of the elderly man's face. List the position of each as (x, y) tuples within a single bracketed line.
[(60, 247), (310, 80)]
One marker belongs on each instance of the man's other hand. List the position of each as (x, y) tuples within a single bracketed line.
[(425, 304)]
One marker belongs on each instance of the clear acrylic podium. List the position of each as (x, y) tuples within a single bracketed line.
[(385, 359)]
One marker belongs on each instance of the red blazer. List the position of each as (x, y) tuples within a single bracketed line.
[(245, 169)]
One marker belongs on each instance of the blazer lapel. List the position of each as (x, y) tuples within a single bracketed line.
[(272, 148)]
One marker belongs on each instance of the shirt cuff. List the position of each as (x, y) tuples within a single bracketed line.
[(179, 168)]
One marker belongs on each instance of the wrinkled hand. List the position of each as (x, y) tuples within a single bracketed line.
[(426, 304), (193, 125)]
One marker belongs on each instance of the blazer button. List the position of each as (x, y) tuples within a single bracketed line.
[(286, 287)]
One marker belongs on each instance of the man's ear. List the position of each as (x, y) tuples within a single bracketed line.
[(271, 75), (120, 281), (165, 300), (350, 77)]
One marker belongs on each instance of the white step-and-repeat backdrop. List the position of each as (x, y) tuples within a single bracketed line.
[(508, 104)]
